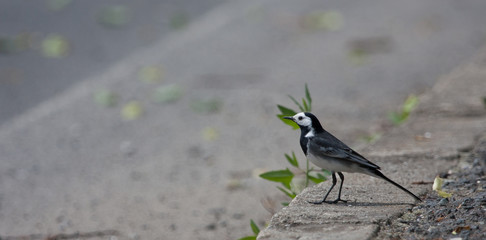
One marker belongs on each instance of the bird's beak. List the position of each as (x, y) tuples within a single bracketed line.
[(289, 118)]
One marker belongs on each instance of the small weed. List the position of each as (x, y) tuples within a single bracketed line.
[(254, 229), (408, 106), (295, 180)]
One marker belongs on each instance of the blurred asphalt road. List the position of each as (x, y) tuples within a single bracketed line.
[(27, 77), (188, 170)]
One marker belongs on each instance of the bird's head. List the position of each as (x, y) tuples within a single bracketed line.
[(302, 119), (307, 122)]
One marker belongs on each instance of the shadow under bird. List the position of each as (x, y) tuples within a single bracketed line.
[(328, 152)]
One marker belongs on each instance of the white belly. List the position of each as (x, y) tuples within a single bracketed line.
[(335, 165)]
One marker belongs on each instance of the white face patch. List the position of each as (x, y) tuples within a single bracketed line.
[(302, 120)]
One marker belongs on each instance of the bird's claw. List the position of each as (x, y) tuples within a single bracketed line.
[(338, 200), (316, 203), (329, 202)]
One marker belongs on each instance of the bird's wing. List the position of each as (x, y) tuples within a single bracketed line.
[(330, 146)]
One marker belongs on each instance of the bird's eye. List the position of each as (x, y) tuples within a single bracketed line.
[(300, 118)]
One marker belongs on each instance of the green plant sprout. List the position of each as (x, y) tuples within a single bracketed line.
[(254, 229), (292, 183), (305, 106), (295, 180), (408, 106)]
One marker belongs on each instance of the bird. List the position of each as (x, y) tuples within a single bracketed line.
[(328, 152)]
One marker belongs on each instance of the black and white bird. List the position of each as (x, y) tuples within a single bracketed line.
[(328, 152)]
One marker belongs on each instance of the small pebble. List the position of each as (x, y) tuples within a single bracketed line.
[(460, 221), (443, 202), (127, 148), (432, 229), (211, 227)]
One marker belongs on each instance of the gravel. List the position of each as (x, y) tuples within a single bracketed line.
[(462, 216)]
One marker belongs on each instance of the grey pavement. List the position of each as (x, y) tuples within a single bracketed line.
[(27, 77), (70, 165)]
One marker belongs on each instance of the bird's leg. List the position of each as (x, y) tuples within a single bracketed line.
[(334, 181), (340, 188)]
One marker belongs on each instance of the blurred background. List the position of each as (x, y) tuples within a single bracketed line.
[(154, 118), (48, 45)]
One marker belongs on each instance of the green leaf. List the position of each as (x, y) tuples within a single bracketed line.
[(286, 111), (308, 96), (179, 21), (55, 46), (323, 20), (248, 238), (288, 193), (285, 204), (254, 227), (320, 178), (409, 104), (207, 106), (105, 98), (395, 118), (306, 107), (326, 172), (398, 118), (372, 137), (167, 94), (56, 5), (281, 176), (115, 16), (278, 175), (288, 122), (297, 103), (292, 160)]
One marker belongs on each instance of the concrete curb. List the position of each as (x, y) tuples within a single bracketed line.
[(446, 123)]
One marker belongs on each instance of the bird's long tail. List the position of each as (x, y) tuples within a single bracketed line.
[(379, 174)]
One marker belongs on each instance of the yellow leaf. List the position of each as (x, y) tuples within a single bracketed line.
[(437, 184), (132, 110), (444, 194), (323, 20), (151, 74), (210, 134), (438, 188)]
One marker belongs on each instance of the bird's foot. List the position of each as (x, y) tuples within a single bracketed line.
[(317, 202), (338, 200), (328, 202)]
